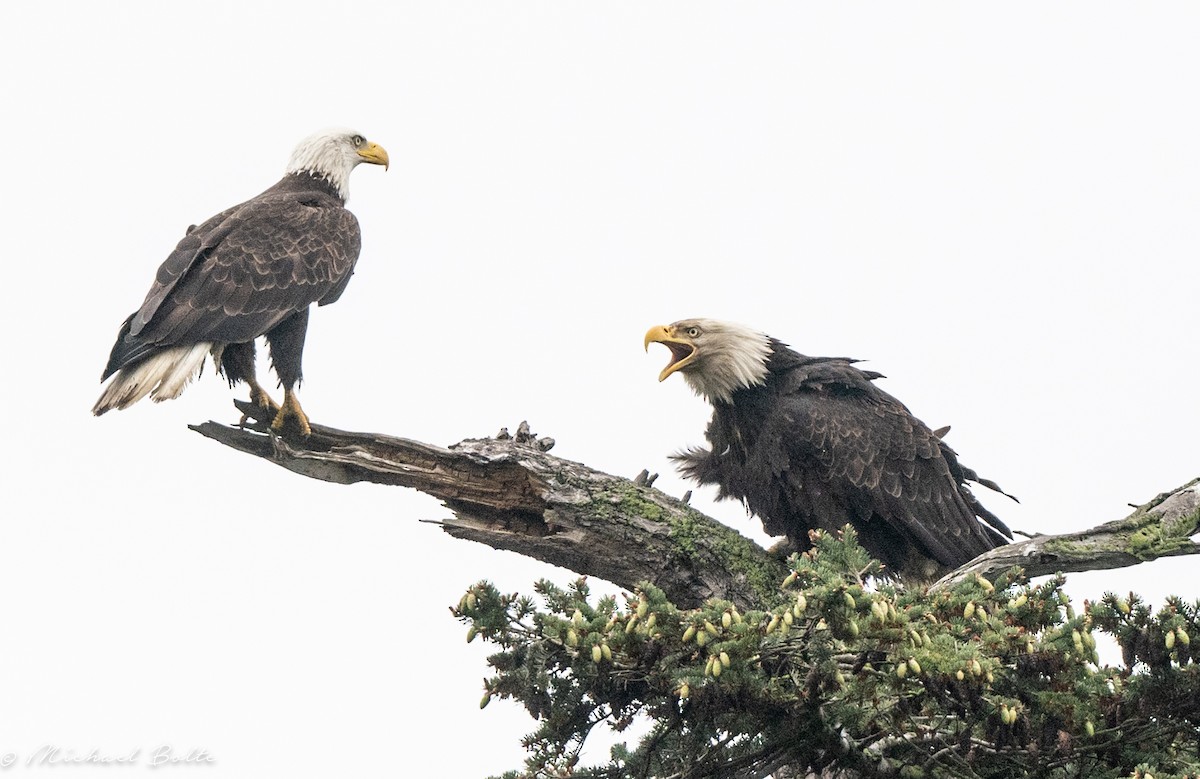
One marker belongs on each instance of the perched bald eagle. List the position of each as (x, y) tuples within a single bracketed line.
[(251, 270), (811, 443)]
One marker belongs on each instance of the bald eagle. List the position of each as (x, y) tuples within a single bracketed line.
[(251, 270), (811, 443)]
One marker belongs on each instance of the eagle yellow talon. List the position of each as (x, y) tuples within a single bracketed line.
[(260, 398), (253, 271), (291, 409)]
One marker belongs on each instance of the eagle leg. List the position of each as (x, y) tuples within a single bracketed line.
[(235, 362), (260, 398), (287, 348), (291, 410)]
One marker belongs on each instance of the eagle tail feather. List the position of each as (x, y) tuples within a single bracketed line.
[(162, 376)]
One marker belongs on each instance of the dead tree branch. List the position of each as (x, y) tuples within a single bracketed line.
[(509, 493), (1161, 528)]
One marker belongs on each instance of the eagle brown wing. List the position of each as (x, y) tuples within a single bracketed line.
[(851, 448), (243, 272)]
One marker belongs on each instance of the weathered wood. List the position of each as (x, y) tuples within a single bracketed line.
[(508, 493), (1160, 528)]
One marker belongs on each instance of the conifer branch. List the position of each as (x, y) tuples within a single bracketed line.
[(751, 667)]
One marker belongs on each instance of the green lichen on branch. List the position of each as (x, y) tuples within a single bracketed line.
[(696, 541), (1152, 535), (839, 671), (624, 498), (1160, 528), (1154, 538), (762, 573), (1144, 535)]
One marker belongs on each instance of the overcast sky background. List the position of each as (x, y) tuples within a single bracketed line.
[(995, 206)]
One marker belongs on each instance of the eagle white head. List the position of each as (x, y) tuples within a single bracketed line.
[(331, 155), (715, 358)]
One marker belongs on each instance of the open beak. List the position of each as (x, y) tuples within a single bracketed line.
[(374, 154), (683, 351)]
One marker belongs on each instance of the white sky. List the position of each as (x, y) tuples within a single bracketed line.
[(995, 206)]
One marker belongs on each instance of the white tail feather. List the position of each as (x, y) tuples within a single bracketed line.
[(161, 376)]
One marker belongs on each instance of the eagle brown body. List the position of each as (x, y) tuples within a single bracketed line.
[(812, 443), (252, 270)]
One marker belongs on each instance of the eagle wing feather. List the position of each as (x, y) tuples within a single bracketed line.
[(243, 272), (891, 466)]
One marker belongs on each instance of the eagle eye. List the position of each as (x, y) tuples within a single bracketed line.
[(693, 332), (358, 140)]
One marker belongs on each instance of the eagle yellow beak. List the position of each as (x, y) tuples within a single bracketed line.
[(374, 154), (683, 351)]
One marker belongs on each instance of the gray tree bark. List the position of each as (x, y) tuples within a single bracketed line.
[(509, 493), (1160, 528)]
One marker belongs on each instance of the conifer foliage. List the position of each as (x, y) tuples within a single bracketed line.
[(845, 674)]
